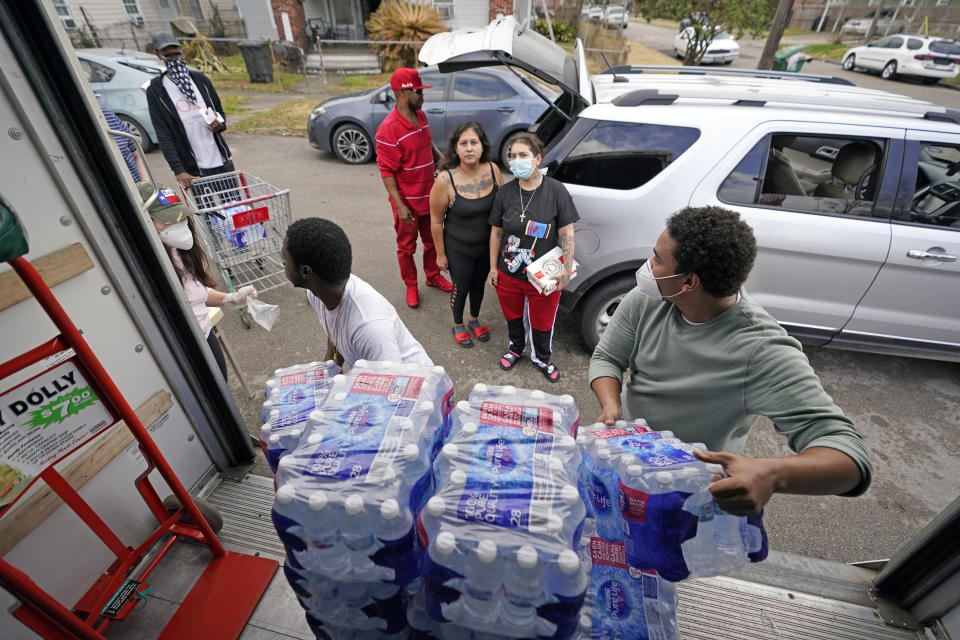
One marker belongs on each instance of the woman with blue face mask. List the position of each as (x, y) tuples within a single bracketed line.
[(531, 216)]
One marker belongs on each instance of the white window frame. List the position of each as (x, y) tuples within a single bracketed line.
[(66, 19), (943, 3), (445, 7), (135, 16)]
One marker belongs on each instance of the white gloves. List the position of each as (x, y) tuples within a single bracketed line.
[(238, 298)]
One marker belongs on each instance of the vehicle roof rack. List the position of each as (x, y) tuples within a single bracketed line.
[(745, 98), (702, 71)]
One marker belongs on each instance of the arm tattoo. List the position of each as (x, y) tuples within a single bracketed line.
[(567, 244)]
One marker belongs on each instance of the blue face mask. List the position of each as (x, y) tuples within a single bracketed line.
[(521, 167)]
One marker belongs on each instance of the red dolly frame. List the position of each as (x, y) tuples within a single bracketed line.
[(242, 577)]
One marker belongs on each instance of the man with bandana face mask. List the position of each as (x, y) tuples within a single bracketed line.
[(187, 115), (705, 361)]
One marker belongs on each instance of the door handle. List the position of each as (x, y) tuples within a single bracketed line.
[(919, 254), (434, 110), (506, 109)]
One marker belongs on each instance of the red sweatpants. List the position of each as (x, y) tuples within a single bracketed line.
[(541, 311), (407, 247)]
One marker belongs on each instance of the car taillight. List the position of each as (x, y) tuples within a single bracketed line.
[(923, 56)]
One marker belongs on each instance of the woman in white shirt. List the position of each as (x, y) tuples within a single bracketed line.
[(172, 220)]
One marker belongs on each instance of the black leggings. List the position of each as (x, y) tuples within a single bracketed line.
[(217, 350), (469, 276)]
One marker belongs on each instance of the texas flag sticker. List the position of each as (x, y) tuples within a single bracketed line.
[(167, 196), (538, 229)]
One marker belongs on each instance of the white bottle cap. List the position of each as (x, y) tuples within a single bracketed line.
[(315, 416), (274, 413), (426, 406), (566, 400), (536, 394), (389, 509), (265, 431), (272, 383), (439, 371), (663, 477), (340, 378), (640, 422), (296, 433), (635, 470), (715, 469), (436, 506), (604, 452), (445, 543), (286, 494), (508, 390), (628, 459), (569, 494), (450, 451), (411, 452), (527, 557), (554, 524), (274, 438), (314, 438), (620, 423), (582, 439), (463, 406), (278, 372), (486, 551), (556, 465), (286, 462), (480, 388), (318, 500), (353, 505), (469, 428), (567, 443), (586, 621), (340, 396), (360, 363), (666, 434), (458, 477), (568, 561), (267, 404)]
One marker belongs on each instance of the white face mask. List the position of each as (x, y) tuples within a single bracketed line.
[(177, 236), (647, 282)]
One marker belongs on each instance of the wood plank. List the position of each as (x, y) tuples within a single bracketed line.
[(29, 513), (56, 267)]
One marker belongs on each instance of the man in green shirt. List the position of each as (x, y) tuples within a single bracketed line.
[(705, 360)]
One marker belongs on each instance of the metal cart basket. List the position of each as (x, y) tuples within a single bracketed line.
[(244, 220)]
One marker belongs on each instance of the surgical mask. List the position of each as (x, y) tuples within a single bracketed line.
[(522, 167), (647, 282), (177, 236)]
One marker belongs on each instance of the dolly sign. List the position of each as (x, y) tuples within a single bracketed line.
[(41, 421)]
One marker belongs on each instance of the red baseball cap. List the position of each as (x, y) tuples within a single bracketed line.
[(406, 78)]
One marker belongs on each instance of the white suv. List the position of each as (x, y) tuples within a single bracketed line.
[(853, 194)]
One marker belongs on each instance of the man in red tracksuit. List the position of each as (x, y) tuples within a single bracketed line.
[(406, 156)]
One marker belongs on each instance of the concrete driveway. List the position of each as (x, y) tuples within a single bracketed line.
[(908, 410), (661, 39)]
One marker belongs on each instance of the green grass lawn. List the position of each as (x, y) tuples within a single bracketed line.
[(287, 119), (233, 104), (828, 51), (237, 79)]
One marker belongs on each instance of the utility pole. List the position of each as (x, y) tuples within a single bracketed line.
[(873, 23), (776, 32)]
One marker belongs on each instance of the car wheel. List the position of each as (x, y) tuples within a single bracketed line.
[(505, 149), (849, 62), (599, 307), (889, 70), (139, 133), (352, 144), (677, 54), (728, 62)]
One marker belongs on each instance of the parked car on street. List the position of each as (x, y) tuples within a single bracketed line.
[(616, 16), (593, 12), (723, 48), (119, 79), (495, 97), (853, 194), (925, 57), (885, 24)]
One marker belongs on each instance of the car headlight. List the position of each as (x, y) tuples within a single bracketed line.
[(316, 113)]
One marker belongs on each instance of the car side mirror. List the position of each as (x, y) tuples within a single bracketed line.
[(385, 98)]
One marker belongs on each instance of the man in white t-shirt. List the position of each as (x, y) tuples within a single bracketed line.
[(188, 117), (359, 322)]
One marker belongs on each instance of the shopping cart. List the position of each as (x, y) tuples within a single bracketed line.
[(244, 223)]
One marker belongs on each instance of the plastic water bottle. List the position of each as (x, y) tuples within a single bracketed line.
[(566, 580), (523, 583), (601, 490), (482, 573)]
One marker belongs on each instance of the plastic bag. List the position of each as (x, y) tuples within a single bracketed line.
[(262, 313)]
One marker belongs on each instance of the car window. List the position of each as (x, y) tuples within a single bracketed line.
[(438, 89), (480, 86), (811, 174), (914, 43), (617, 155), (945, 46), (891, 42), (895, 42), (936, 196), (96, 72)]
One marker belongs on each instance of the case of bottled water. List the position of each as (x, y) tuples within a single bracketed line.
[(348, 493), (665, 513), (290, 395), (500, 533)]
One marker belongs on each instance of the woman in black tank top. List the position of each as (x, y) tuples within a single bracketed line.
[(460, 202)]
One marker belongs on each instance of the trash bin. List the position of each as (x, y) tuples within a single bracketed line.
[(784, 60), (258, 58)]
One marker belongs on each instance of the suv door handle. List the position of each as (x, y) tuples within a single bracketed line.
[(919, 254), (434, 110), (506, 109)]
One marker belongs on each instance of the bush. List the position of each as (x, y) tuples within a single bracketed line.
[(402, 21), (562, 31)]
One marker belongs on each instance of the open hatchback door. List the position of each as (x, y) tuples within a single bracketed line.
[(505, 42)]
